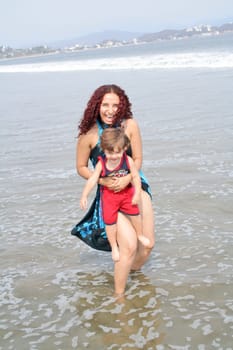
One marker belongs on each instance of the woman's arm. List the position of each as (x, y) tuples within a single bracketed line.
[(133, 132), (83, 151), (135, 180)]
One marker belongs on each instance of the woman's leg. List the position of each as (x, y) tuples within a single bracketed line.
[(127, 242), (147, 214)]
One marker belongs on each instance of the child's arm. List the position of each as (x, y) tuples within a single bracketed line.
[(90, 184), (135, 180)]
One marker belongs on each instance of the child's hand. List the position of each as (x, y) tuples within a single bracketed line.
[(135, 199), (83, 203)]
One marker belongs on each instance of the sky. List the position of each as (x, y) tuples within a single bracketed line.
[(34, 22)]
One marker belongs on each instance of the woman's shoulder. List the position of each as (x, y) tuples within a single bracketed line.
[(130, 126), (130, 123), (90, 137)]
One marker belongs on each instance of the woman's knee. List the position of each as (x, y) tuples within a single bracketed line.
[(148, 219), (128, 248)]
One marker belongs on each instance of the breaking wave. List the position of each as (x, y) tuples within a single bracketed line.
[(213, 60)]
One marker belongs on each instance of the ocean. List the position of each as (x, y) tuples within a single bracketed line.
[(56, 292)]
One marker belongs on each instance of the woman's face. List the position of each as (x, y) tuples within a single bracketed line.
[(108, 107)]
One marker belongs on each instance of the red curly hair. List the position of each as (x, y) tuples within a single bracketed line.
[(91, 113)]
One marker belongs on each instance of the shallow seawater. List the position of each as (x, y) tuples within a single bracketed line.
[(55, 292)]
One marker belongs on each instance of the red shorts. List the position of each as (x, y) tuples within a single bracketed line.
[(112, 202)]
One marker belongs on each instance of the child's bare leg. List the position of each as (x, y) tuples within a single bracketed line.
[(144, 240), (137, 224), (111, 231)]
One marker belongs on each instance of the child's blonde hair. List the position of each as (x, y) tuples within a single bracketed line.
[(112, 138)]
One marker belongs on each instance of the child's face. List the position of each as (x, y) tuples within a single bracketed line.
[(115, 155)]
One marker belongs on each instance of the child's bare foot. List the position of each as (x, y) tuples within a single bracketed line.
[(115, 254), (144, 240)]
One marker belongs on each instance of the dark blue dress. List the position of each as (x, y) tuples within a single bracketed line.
[(91, 229)]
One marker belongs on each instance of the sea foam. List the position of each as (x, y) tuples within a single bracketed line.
[(213, 60)]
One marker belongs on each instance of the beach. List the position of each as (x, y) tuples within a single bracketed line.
[(56, 292)]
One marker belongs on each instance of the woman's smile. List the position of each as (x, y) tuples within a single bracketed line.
[(109, 107)]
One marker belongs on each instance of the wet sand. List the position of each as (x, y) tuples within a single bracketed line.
[(56, 293)]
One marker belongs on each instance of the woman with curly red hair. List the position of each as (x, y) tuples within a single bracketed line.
[(109, 106)]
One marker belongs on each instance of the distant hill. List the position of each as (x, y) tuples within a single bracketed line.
[(108, 39), (169, 34), (123, 36)]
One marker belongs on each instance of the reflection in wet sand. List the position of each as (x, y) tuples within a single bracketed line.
[(129, 322)]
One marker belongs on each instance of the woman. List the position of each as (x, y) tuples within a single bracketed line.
[(109, 106)]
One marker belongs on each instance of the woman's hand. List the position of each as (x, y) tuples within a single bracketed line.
[(136, 199), (116, 184), (121, 182)]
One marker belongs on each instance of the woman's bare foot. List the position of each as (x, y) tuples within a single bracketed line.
[(144, 240), (119, 296)]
